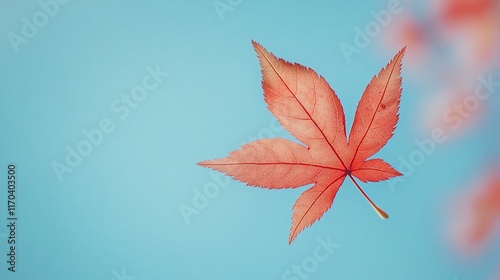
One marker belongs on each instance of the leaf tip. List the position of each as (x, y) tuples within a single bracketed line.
[(401, 54), (205, 163), (256, 45)]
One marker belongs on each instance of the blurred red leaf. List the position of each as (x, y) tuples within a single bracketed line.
[(457, 11), (478, 215), (486, 213)]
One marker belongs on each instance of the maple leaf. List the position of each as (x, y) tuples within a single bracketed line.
[(309, 109)]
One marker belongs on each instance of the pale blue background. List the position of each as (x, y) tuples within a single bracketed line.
[(120, 207)]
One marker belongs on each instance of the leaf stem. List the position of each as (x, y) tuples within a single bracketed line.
[(377, 209)]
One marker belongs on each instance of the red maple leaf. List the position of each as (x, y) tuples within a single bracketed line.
[(309, 109)]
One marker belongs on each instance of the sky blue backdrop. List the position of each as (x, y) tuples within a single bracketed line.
[(120, 207)]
